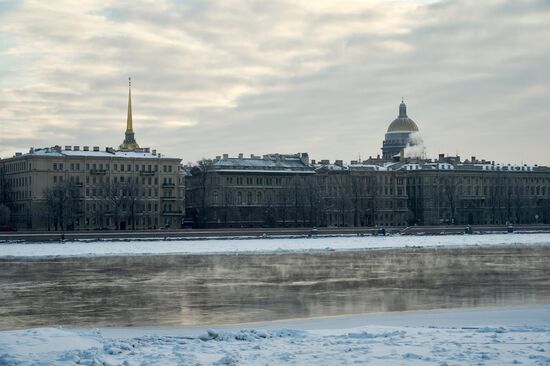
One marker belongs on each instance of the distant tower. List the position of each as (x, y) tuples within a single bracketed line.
[(398, 134), (129, 143)]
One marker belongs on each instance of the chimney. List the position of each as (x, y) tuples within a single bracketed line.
[(67, 148), (240, 155), (378, 156), (226, 156), (325, 162), (86, 148), (147, 149), (441, 157), (339, 162), (218, 157), (96, 148), (76, 148), (251, 156), (474, 159), (353, 162), (312, 161), (154, 152)]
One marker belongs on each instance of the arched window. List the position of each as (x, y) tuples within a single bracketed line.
[(259, 197), (239, 198), (249, 198)]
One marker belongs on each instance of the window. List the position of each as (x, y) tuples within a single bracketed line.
[(54, 166)]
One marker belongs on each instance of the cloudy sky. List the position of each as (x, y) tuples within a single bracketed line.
[(230, 76)]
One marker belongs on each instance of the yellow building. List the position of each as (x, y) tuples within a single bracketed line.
[(83, 188)]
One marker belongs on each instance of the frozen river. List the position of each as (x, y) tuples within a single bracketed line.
[(195, 289)]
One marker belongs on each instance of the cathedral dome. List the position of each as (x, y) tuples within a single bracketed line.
[(403, 123)]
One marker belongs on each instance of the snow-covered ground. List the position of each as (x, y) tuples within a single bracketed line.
[(118, 247), (448, 337)]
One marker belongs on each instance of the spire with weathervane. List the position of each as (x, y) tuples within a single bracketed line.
[(129, 143), (402, 109)]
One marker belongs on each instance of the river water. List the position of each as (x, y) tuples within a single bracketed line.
[(176, 290)]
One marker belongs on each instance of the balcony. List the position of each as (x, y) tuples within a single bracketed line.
[(168, 185), (169, 198), (172, 213), (78, 184), (98, 171), (147, 173)]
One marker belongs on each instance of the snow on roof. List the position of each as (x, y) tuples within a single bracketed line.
[(53, 152), (272, 163)]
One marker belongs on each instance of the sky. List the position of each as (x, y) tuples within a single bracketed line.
[(237, 76)]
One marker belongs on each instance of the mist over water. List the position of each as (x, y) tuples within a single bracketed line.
[(161, 290)]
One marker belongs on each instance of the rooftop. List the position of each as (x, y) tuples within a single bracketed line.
[(86, 151)]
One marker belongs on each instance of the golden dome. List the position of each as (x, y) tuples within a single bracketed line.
[(403, 123)]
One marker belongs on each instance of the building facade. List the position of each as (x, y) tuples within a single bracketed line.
[(450, 191), (74, 188), (278, 190), (270, 190)]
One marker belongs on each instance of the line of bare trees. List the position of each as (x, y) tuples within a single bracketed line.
[(294, 200), (121, 202)]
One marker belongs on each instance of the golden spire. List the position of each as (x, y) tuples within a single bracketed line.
[(129, 143), (129, 127)]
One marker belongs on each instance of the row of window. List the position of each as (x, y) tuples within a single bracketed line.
[(20, 166), (116, 167)]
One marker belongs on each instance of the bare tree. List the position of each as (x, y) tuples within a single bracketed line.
[(450, 185), (6, 201), (114, 196), (200, 189), (132, 190), (63, 204)]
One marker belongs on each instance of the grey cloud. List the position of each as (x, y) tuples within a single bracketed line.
[(213, 77)]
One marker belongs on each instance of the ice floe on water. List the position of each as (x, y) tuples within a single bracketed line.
[(144, 247)]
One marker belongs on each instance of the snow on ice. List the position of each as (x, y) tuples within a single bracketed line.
[(141, 247), (375, 341)]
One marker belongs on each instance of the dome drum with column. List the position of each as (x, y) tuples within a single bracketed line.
[(398, 135)]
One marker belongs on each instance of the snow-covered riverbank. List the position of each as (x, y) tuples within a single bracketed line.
[(451, 337), (141, 247)]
